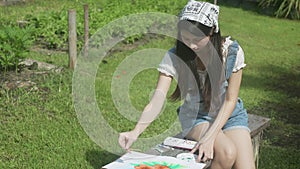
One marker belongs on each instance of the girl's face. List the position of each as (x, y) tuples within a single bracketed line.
[(194, 42)]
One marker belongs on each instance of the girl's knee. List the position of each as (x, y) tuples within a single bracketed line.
[(226, 155), (230, 153)]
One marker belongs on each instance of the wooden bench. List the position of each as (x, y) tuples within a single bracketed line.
[(256, 124)]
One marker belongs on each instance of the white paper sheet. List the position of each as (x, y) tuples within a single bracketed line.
[(133, 160)]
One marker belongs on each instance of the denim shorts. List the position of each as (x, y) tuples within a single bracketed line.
[(237, 120)]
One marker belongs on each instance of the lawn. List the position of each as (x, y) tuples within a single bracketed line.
[(40, 128)]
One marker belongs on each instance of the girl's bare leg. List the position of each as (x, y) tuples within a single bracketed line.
[(242, 141), (224, 149)]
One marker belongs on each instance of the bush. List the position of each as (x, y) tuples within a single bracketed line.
[(50, 28), (284, 8), (14, 46)]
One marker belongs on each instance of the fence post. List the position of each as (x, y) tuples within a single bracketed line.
[(72, 38), (86, 30)]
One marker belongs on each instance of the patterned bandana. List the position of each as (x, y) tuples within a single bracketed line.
[(202, 12)]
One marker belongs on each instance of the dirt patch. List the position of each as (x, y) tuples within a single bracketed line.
[(122, 46), (11, 2), (27, 76), (30, 69)]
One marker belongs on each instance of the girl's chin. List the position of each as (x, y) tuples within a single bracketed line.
[(201, 49), (197, 50)]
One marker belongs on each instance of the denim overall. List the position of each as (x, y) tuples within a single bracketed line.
[(186, 112)]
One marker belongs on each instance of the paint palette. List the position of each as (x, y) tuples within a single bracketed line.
[(187, 157), (179, 143)]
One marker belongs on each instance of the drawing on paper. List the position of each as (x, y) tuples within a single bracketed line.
[(157, 165)]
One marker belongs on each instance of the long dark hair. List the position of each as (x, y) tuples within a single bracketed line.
[(188, 56)]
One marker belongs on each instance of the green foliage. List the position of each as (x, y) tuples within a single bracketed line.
[(51, 27), (14, 46), (284, 8)]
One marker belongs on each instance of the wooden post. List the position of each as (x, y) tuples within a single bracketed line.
[(86, 30), (72, 38)]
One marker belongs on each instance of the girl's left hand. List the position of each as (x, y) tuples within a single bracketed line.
[(206, 151)]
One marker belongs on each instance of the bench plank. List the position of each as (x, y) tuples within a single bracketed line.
[(257, 123)]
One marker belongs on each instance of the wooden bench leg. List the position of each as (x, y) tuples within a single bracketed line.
[(256, 142)]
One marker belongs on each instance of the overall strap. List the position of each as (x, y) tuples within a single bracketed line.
[(231, 58)]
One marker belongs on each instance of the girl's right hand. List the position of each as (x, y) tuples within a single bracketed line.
[(126, 139)]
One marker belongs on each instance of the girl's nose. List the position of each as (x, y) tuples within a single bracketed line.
[(193, 46)]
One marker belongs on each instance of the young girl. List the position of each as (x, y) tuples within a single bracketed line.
[(208, 70)]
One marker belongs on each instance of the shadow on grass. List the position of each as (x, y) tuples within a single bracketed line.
[(282, 106), (275, 157), (283, 82), (248, 5), (97, 158)]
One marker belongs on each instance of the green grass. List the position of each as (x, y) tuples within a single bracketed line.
[(39, 127)]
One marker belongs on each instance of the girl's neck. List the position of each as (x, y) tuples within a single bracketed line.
[(200, 65), (202, 58)]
